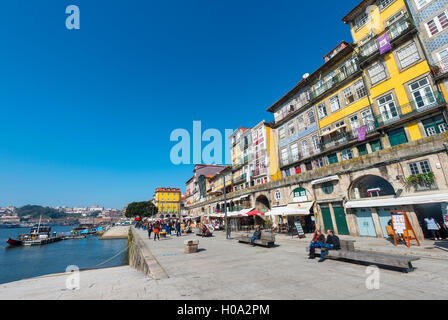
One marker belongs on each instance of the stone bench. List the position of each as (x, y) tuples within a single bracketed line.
[(191, 246), (267, 239), (349, 254)]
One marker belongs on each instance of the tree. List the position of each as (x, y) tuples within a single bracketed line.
[(141, 209)]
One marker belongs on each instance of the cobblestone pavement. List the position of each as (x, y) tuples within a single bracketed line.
[(226, 269)]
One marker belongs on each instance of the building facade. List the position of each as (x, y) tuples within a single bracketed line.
[(168, 201)]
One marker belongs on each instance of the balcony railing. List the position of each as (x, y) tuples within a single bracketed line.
[(337, 140), (343, 74), (260, 171), (370, 127), (395, 113), (394, 31), (440, 68)]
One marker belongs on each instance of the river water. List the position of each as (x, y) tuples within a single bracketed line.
[(17, 263)]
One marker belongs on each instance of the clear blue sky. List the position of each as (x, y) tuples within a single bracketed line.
[(86, 115)]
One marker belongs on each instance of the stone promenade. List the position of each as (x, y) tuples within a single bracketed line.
[(226, 269)]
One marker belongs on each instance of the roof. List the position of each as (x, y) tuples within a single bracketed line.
[(352, 14)]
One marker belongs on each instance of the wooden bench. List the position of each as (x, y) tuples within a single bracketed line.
[(267, 239), (349, 254)]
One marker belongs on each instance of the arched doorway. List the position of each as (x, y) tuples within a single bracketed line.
[(262, 204), (366, 187)]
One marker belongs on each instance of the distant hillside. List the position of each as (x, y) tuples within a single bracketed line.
[(36, 211)]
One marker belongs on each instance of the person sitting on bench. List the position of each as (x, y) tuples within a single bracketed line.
[(205, 231), (256, 236), (332, 243), (317, 242)]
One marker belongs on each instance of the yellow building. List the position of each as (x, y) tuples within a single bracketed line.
[(167, 201), (405, 99)]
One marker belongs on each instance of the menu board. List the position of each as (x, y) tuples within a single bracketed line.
[(299, 228), (399, 223)]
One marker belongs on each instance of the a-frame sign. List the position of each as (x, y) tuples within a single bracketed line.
[(403, 229)]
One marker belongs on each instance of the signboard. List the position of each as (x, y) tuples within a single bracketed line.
[(362, 132), (384, 43), (399, 223), (299, 229)]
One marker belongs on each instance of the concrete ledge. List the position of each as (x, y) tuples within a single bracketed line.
[(141, 259), (119, 232)]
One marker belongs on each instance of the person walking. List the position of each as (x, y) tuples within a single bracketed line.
[(433, 227), (149, 230), (178, 228), (156, 232)]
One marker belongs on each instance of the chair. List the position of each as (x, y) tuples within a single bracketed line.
[(390, 231)]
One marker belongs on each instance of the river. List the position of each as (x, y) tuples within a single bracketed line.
[(17, 263)]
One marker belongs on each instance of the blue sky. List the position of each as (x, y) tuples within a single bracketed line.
[(86, 115)]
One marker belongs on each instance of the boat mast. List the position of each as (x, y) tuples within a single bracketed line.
[(38, 226)]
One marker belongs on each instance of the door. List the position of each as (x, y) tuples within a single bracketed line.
[(365, 222), (397, 137), (326, 217), (385, 216), (388, 108), (341, 221)]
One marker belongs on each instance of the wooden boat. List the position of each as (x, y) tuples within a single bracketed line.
[(39, 235)]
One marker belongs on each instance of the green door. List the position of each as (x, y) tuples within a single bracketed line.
[(341, 221), (326, 216), (362, 150), (376, 145), (397, 137), (333, 158)]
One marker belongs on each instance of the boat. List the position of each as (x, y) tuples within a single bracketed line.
[(39, 235), (85, 229)]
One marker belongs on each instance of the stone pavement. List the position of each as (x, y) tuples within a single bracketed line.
[(226, 269), (117, 232)]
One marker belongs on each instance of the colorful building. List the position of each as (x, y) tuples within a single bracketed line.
[(167, 201)]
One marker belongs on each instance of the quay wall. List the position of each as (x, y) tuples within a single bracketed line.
[(141, 259)]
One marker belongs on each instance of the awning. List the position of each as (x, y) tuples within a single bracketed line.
[(293, 209), (255, 213), (323, 180), (333, 130), (432, 198)]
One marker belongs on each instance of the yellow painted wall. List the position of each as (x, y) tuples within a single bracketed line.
[(273, 154), (382, 17), (414, 131), (344, 111)]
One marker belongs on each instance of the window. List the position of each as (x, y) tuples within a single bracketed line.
[(377, 73), (383, 4), (291, 129), (354, 122), (299, 192), (347, 154), (295, 152), (408, 55), (435, 125), (284, 154), (316, 145), (301, 123), (360, 89), (281, 133), (305, 148), (334, 103), (360, 20), (421, 3), (437, 25), (322, 111), (349, 97), (327, 188), (387, 108), (332, 158), (369, 48), (311, 117), (278, 195), (422, 93), (420, 167)]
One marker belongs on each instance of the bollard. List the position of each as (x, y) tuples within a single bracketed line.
[(191, 246)]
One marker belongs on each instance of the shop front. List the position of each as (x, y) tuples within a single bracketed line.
[(284, 217)]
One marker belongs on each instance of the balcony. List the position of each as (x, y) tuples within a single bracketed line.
[(370, 127), (241, 178), (440, 69), (260, 172), (344, 73), (336, 140), (396, 30), (393, 113)]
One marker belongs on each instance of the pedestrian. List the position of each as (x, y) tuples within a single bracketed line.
[(317, 242), (256, 236), (433, 227), (149, 230), (178, 228), (156, 232), (332, 243)]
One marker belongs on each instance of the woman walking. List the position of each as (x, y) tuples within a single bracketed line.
[(156, 232)]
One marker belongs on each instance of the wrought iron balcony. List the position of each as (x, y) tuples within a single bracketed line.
[(336, 140), (440, 69), (370, 127), (395, 113)]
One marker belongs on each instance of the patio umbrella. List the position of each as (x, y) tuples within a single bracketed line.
[(255, 213)]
